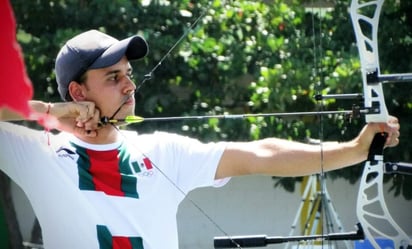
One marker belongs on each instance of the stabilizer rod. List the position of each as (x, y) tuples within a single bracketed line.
[(398, 168), (263, 240)]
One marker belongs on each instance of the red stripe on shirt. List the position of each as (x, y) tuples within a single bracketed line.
[(121, 243), (104, 167)]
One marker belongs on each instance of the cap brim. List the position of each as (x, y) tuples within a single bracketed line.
[(133, 48)]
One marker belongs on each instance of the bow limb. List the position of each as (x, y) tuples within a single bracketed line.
[(372, 211)]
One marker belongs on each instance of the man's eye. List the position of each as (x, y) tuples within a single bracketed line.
[(113, 78)]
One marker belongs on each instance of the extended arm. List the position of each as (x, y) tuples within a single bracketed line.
[(278, 157)]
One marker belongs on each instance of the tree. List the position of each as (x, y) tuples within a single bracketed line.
[(243, 56)]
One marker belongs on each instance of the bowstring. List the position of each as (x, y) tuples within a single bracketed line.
[(191, 27), (179, 189), (318, 48), (319, 83), (148, 77)]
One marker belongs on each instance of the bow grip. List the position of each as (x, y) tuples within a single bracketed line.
[(377, 146)]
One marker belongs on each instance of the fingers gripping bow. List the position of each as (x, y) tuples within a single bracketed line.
[(371, 210)]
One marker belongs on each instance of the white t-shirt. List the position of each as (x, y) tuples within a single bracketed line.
[(120, 195)]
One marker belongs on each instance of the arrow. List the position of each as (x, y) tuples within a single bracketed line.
[(137, 119)]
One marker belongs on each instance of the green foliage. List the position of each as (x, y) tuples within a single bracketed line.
[(242, 57)]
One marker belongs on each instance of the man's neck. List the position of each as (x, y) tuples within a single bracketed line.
[(105, 135)]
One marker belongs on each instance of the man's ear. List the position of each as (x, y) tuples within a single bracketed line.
[(76, 91)]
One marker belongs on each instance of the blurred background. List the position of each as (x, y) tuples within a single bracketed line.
[(240, 57)]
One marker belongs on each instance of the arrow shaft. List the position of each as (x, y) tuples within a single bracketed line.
[(137, 119)]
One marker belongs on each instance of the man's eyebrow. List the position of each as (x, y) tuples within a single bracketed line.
[(111, 72), (116, 71)]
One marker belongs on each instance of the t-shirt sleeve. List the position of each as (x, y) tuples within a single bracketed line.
[(18, 146), (191, 163)]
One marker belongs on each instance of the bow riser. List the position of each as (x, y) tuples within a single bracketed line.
[(366, 31), (372, 211)]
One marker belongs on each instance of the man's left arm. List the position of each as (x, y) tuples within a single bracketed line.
[(280, 157)]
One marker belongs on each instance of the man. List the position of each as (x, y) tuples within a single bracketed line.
[(93, 186)]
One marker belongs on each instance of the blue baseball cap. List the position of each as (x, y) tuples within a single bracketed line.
[(92, 50)]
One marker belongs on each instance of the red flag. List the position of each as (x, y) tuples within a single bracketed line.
[(15, 85)]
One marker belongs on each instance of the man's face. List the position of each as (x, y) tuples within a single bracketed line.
[(110, 87)]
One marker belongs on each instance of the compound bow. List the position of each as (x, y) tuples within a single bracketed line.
[(372, 212), (371, 207)]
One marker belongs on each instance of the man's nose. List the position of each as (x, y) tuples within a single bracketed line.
[(130, 86)]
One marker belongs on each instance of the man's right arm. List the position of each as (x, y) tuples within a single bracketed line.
[(64, 116), (37, 107), (8, 115)]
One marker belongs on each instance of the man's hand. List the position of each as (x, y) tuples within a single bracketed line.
[(81, 118), (368, 132)]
